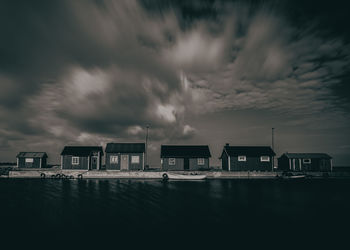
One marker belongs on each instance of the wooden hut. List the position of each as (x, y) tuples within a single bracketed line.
[(247, 158), (81, 157), (185, 157), (31, 160), (305, 162), (125, 156)]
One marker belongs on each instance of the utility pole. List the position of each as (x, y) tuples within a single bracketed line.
[(273, 143), (147, 126), (273, 148)]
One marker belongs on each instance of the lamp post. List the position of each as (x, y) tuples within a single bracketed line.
[(147, 126), (273, 147)]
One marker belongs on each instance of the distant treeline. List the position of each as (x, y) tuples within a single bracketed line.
[(341, 169), (8, 163)]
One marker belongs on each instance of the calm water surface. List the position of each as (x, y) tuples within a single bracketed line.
[(143, 213)]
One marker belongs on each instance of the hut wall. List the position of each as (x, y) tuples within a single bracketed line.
[(297, 164), (136, 166), (224, 162), (194, 164), (251, 164), (67, 162), (326, 165), (283, 163), (322, 165), (23, 164), (44, 162), (132, 166), (179, 164), (112, 166)]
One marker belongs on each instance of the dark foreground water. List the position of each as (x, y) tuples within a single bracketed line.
[(216, 214)]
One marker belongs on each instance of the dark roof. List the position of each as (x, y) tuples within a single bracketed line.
[(32, 154), (307, 155), (180, 151), (81, 150), (125, 148), (249, 150)]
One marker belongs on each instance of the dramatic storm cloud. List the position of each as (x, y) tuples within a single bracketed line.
[(92, 72)]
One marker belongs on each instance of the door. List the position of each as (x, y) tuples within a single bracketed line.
[(94, 162), (186, 164), (124, 164)]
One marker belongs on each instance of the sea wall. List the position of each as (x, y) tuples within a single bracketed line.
[(111, 174)]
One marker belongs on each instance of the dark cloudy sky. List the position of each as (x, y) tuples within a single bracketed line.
[(199, 72)]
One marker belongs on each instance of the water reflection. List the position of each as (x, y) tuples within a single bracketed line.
[(119, 209)]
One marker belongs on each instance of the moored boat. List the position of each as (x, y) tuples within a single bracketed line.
[(294, 177), (173, 176), (289, 175)]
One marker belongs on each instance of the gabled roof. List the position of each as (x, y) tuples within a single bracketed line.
[(249, 150), (307, 155), (81, 150), (125, 148), (32, 154), (182, 151)]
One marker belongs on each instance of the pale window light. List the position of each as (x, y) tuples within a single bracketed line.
[(135, 159), (29, 160), (114, 159), (242, 158), (265, 158), (161, 161), (200, 161), (307, 161), (171, 161), (75, 160)]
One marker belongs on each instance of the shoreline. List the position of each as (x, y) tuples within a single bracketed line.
[(114, 174)]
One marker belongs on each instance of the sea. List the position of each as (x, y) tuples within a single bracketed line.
[(152, 214)]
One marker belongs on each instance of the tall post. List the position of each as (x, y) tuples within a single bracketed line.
[(147, 126), (229, 163), (98, 160), (273, 148), (331, 165)]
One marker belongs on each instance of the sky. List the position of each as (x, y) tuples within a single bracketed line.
[(197, 72)]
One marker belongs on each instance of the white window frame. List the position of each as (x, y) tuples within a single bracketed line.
[(114, 159), (135, 159), (307, 161), (29, 160), (200, 161), (172, 161), (265, 160), (242, 158), (75, 160)]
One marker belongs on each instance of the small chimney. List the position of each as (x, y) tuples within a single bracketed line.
[(227, 144)]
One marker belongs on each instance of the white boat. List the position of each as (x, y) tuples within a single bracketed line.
[(173, 176), (293, 176)]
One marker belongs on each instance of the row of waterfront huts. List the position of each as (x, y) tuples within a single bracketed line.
[(131, 157)]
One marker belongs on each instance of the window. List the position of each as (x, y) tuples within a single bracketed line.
[(161, 161), (29, 160), (200, 161), (171, 161), (265, 158), (114, 159), (307, 161), (135, 159), (242, 158), (75, 160)]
